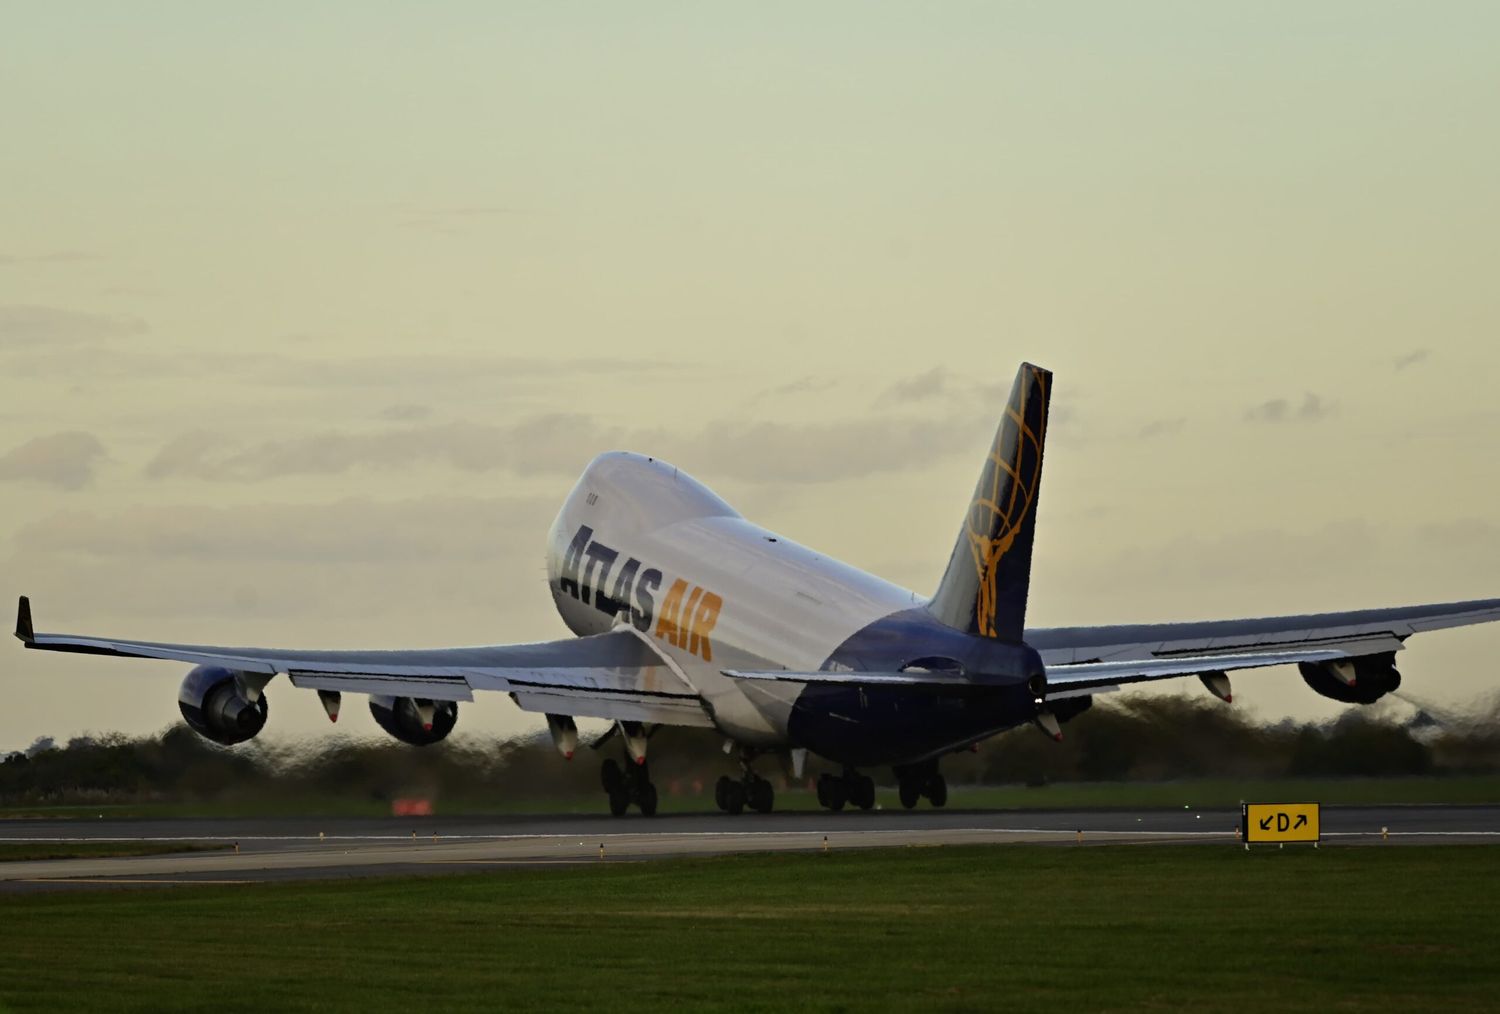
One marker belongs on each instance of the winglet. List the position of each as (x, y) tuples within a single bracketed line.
[(24, 629)]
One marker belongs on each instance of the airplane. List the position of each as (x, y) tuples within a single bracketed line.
[(688, 614)]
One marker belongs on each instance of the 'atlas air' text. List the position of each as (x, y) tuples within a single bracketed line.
[(688, 613)]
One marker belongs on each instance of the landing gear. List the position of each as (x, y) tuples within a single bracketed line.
[(850, 787), (626, 785), (730, 795), (751, 790), (922, 780), (832, 792)]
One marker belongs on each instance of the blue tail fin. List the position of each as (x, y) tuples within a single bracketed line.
[(983, 591)]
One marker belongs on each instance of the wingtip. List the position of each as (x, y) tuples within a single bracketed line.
[(24, 630)]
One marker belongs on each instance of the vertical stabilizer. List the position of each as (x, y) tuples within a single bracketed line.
[(983, 591)]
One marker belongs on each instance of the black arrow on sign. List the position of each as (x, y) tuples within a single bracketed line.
[(1265, 825), (1301, 819)]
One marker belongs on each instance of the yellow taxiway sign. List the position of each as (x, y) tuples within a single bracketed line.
[(1279, 822)]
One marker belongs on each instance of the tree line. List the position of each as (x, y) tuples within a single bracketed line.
[(1135, 739)]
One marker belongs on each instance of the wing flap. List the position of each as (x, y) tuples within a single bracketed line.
[(1090, 675), (688, 711), (430, 688)]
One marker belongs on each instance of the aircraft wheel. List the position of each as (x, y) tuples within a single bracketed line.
[(910, 791), (937, 791), (862, 791), (761, 795), (721, 792), (619, 801), (648, 800), (832, 792), (734, 798), (611, 776)]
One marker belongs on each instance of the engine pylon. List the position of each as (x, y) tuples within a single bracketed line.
[(564, 734), (1218, 685), (426, 712), (331, 700), (1047, 722), (634, 734)]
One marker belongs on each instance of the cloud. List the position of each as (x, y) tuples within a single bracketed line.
[(64, 460), (1412, 358), (26, 326), (547, 444), (560, 444), (54, 257), (935, 383), (1162, 427), (405, 413), (803, 385), (403, 376), (1278, 410), (773, 451), (348, 531)]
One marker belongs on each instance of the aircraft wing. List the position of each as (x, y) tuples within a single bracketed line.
[(1366, 632), (617, 675)]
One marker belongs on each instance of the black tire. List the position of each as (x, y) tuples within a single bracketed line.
[(838, 794), (761, 796), (862, 792), (721, 792), (648, 800), (619, 802), (735, 797), (823, 790), (611, 777), (910, 791), (937, 790)]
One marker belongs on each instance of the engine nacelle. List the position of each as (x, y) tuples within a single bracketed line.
[(217, 707), (1362, 680), (413, 720)]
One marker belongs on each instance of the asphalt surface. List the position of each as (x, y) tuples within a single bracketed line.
[(266, 849)]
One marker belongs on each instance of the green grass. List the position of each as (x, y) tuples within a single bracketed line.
[(1197, 794), (1018, 927), (15, 851)]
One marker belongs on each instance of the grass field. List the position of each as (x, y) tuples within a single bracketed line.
[(1016, 927), (1196, 794)]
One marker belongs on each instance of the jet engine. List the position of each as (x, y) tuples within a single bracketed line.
[(1362, 680), (219, 707), (415, 720)]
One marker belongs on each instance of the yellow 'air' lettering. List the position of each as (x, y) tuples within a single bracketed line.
[(666, 625), (687, 637), (703, 622)]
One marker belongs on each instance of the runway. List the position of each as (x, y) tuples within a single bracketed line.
[(268, 849)]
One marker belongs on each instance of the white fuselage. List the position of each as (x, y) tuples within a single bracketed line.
[(707, 588)]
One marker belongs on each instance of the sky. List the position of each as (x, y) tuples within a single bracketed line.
[(311, 314)]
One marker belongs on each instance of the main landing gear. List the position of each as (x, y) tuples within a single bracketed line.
[(628, 785), (850, 787), (920, 780), (751, 790)]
